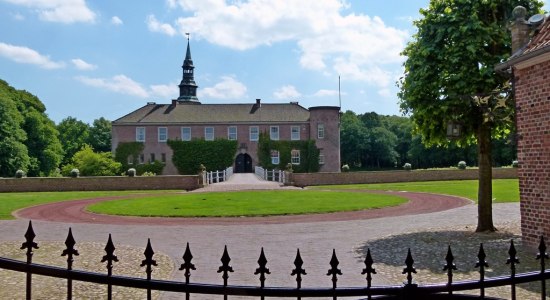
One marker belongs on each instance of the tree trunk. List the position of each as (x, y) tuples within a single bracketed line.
[(485, 188)]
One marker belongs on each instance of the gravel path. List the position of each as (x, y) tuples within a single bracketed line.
[(280, 240)]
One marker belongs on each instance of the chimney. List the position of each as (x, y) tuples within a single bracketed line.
[(258, 101), (519, 28)]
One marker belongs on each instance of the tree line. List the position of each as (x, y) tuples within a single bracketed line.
[(32, 142), (371, 141)]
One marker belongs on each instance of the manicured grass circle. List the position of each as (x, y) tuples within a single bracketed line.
[(245, 203)]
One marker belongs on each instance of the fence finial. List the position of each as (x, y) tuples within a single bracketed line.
[(409, 269), (187, 265), (369, 270), (481, 264), (29, 244), (449, 267), (334, 271), (225, 267), (298, 271), (262, 269), (70, 250)]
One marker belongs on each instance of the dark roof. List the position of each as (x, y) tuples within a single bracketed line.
[(541, 39), (216, 113)]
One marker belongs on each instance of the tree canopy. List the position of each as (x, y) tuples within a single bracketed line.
[(449, 77), (30, 138)]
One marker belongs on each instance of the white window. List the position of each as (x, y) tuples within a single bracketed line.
[(130, 160), (295, 133), (163, 157), (320, 131), (186, 133), (140, 134), (321, 159), (209, 133), (142, 158), (274, 133), (163, 134), (152, 158), (275, 157), (295, 157), (232, 133), (254, 133)]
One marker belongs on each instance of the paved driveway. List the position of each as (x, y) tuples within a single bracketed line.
[(280, 241)]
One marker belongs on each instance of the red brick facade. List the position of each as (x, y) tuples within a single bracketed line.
[(325, 117), (533, 125), (530, 66)]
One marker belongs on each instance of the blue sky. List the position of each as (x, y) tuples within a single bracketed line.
[(91, 59)]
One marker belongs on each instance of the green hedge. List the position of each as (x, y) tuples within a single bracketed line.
[(134, 149), (214, 155), (309, 154)]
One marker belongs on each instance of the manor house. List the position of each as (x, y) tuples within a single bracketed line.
[(186, 118)]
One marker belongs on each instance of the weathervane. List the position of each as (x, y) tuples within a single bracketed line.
[(187, 34)]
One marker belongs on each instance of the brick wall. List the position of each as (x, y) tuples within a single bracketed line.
[(306, 179), (532, 90), (106, 183)]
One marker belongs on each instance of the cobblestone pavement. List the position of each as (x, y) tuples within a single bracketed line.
[(280, 242)]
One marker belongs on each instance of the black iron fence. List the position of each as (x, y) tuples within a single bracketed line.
[(409, 290)]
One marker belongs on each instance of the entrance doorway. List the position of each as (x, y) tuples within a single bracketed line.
[(243, 163)]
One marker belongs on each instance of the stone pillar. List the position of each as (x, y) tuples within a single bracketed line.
[(519, 28)]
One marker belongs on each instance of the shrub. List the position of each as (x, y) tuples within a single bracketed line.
[(131, 172), (19, 174), (462, 165), (148, 174), (91, 163), (515, 164), (345, 168), (75, 173), (407, 166)]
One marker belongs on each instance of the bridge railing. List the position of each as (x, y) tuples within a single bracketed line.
[(408, 290)]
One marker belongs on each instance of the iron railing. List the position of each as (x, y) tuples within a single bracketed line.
[(409, 290)]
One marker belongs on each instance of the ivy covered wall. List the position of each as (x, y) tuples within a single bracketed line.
[(214, 155), (128, 155), (309, 154)]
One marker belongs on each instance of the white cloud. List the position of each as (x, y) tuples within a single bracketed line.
[(227, 88), (115, 20), (119, 84), (155, 26), (63, 11), (386, 93), (164, 90), (28, 56), (82, 65), (18, 17), (171, 3), (327, 39), (286, 92), (325, 93)]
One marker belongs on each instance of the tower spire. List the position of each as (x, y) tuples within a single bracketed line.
[(188, 87)]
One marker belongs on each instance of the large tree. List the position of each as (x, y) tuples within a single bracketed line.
[(450, 77), (13, 152), (73, 135), (100, 135)]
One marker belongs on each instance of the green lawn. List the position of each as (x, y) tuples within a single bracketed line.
[(246, 203), (10, 202), (504, 190)]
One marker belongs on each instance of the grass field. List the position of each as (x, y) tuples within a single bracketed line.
[(504, 190), (10, 202), (246, 203), (235, 203)]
